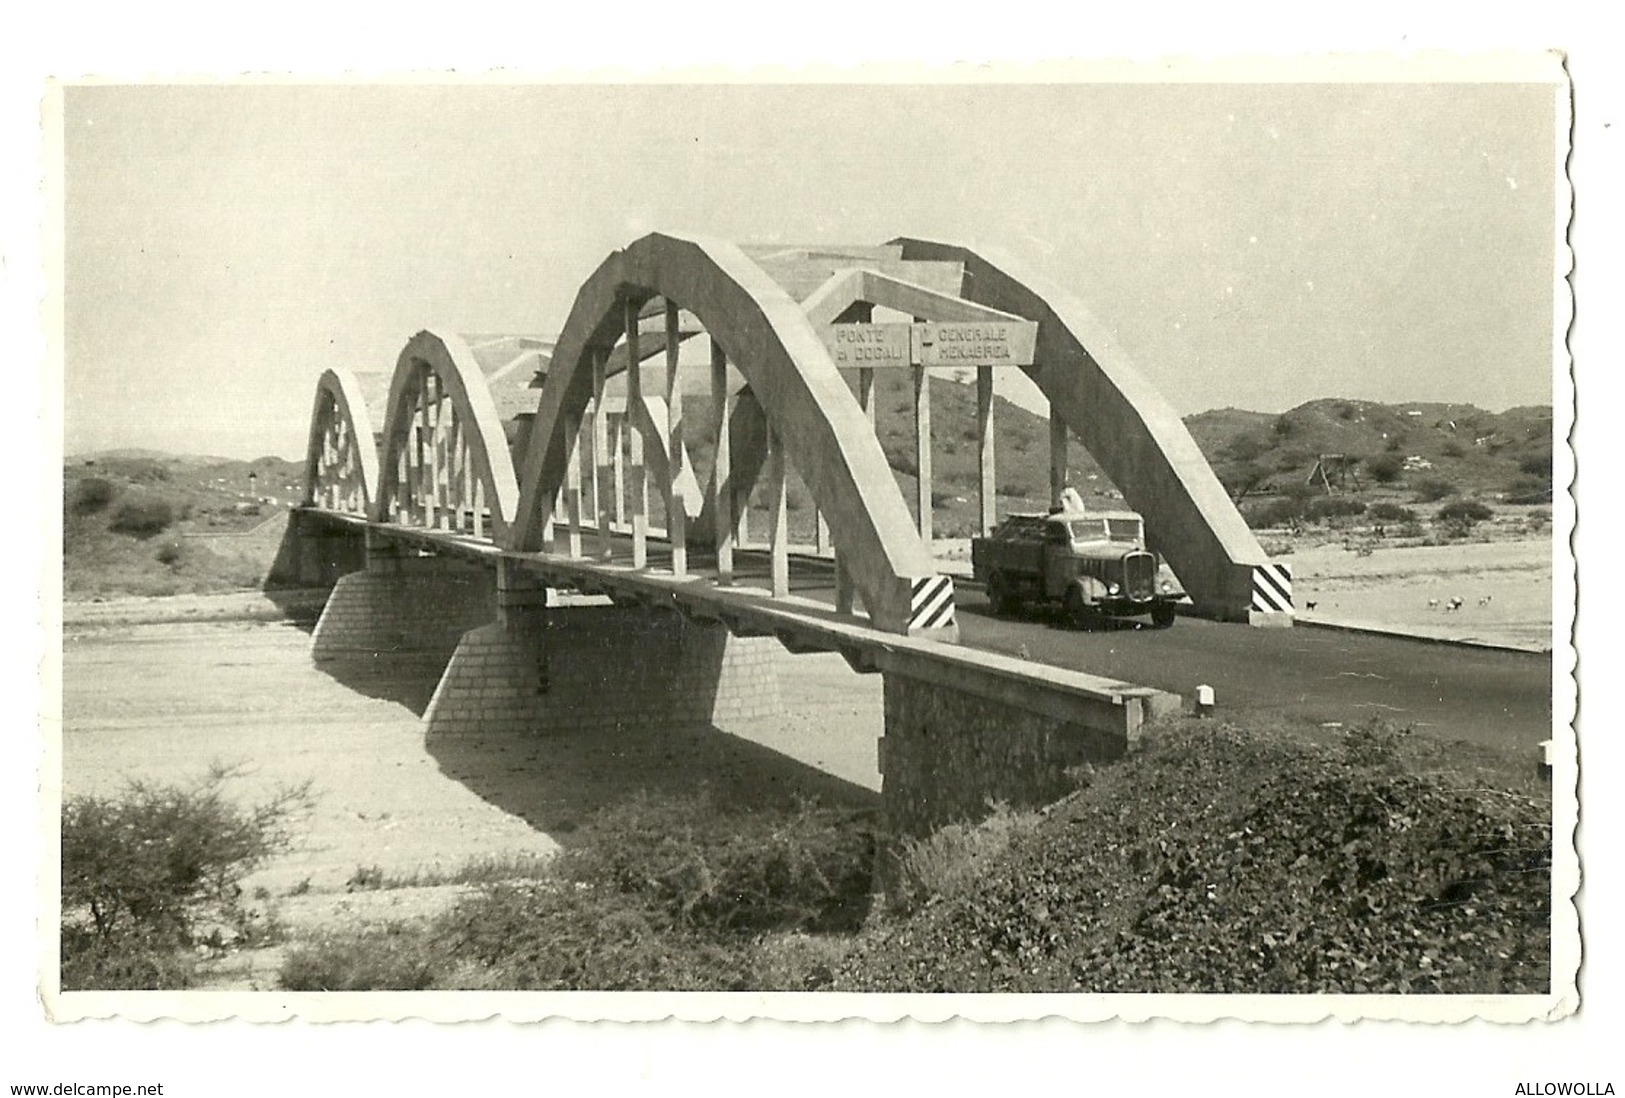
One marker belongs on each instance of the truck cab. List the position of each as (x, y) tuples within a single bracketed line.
[(1094, 563)]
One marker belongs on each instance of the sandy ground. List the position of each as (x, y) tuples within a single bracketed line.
[(161, 702)]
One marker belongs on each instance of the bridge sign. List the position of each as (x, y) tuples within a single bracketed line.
[(869, 345), (932, 343), (983, 343)]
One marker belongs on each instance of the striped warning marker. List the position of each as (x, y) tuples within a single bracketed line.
[(931, 603), (1272, 588)]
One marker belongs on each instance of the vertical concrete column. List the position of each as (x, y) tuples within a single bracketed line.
[(779, 545), (986, 486), (722, 399), (676, 454), (1057, 457), (601, 474), (634, 408), (617, 450), (922, 449), (572, 485)]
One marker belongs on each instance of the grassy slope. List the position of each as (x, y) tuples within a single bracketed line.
[(206, 496)]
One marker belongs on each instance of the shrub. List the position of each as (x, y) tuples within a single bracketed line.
[(948, 863), (143, 514), (1433, 489), (1537, 464), (808, 868), (150, 877), (93, 494), (1465, 511), (1335, 507), (1385, 468), (171, 553), (1527, 487), (1394, 444), (662, 894), (392, 957), (1389, 512), (1275, 514), (1454, 449)]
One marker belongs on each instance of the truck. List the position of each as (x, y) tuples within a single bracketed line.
[(1094, 563)]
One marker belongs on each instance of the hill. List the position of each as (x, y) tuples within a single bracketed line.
[(180, 513), (138, 522)]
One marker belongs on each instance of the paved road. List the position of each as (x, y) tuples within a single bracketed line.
[(1490, 696)]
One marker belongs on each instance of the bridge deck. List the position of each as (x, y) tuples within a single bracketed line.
[(805, 621)]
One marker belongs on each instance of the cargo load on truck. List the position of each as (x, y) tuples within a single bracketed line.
[(1094, 563)]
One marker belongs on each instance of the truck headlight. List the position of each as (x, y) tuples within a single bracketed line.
[(1111, 589), (1167, 587)]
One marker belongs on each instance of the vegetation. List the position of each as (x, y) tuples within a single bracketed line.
[(1214, 859), (1385, 468), (152, 877), (672, 893), (143, 513), (116, 507), (1225, 860), (1467, 512)]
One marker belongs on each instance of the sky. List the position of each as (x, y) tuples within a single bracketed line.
[(1249, 245)]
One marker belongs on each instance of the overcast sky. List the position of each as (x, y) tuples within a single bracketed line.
[(1252, 246)]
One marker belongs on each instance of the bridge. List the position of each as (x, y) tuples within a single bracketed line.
[(590, 559)]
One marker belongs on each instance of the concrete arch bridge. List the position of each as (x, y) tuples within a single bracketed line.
[(629, 470)]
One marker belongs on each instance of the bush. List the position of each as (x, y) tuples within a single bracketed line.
[(143, 514), (948, 863), (1217, 860), (150, 877), (1335, 507), (1389, 512), (93, 494), (1275, 514), (662, 894), (170, 553), (1454, 449), (1537, 464), (805, 869), (1433, 489), (1385, 468), (392, 957), (1465, 511)]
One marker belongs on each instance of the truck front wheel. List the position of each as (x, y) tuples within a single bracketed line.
[(1081, 613), (998, 595)]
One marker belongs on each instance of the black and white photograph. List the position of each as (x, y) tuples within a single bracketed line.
[(986, 543)]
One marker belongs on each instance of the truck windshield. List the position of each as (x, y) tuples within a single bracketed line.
[(1088, 529), (1124, 529)]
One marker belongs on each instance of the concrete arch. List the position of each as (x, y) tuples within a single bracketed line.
[(449, 358), (1127, 425), (340, 411), (769, 339)]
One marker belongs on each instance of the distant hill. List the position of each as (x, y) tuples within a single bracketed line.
[(135, 520)]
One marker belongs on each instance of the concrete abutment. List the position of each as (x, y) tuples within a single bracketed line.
[(958, 739)]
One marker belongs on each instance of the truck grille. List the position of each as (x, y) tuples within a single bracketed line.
[(1139, 575)]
